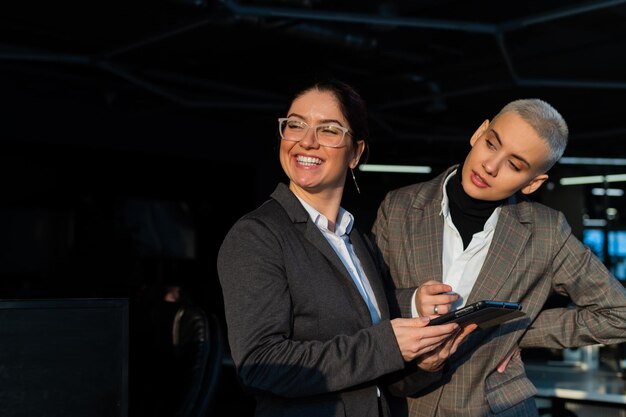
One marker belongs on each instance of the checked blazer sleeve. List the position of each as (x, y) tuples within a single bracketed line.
[(599, 311)]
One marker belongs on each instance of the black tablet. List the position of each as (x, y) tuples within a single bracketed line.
[(485, 313)]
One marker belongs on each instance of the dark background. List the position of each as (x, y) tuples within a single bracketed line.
[(134, 132)]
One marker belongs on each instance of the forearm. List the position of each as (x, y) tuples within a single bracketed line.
[(294, 369), (274, 341), (598, 314)]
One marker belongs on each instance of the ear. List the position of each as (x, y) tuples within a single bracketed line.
[(481, 129), (534, 184), (358, 151)]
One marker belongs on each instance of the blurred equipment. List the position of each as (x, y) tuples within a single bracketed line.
[(179, 358), (64, 357)]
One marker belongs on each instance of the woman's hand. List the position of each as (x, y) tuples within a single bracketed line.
[(434, 360), (434, 298), (515, 352), (415, 338)]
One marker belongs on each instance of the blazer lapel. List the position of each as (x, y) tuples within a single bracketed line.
[(313, 235), (373, 276), (299, 215), (507, 245), (422, 234)]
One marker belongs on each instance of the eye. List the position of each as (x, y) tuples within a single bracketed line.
[(295, 125), (329, 130), (514, 167), (490, 145)]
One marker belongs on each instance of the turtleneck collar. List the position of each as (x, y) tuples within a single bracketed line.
[(468, 214), (468, 206)]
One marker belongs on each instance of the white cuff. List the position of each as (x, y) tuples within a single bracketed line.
[(414, 312)]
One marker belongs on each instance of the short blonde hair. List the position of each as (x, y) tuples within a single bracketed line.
[(547, 122)]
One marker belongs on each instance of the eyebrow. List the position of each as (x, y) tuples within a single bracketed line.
[(324, 121), (518, 157)]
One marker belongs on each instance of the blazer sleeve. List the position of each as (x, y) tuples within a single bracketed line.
[(598, 315), (258, 307)]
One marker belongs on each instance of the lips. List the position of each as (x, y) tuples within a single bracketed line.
[(478, 181)]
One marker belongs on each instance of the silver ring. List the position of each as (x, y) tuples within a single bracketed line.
[(435, 309)]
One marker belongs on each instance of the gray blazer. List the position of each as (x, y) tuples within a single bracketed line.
[(533, 253), (300, 333)]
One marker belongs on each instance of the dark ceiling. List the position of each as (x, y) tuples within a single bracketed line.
[(208, 78)]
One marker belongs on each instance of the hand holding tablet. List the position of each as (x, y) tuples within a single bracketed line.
[(485, 313)]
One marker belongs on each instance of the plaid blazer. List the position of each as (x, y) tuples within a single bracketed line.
[(533, 253)]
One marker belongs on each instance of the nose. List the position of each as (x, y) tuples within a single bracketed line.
[(309, 141), (491, 166)]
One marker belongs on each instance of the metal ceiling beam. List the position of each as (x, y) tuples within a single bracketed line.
[(157, 38), (36, 56), (103, 61), (359, 18), (558, 14)]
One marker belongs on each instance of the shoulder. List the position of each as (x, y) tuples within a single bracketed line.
[(536, 212), (418, 194), (544, 220), (280, 209), (269, 215), (257, 233)]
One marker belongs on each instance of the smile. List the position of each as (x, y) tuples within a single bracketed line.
[(308, 160)]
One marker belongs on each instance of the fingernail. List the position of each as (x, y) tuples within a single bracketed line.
[(425, 319)]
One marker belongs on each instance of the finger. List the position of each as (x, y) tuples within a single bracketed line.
[(502, 367), (422, 323), (461, 336), (445, 350), (439, 330), (429, 345), (434, 288), (447, 298), (417, 322), (429, 339), (430, 361), (438, 309)]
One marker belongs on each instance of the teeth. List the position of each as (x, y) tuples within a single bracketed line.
[(308, 160)]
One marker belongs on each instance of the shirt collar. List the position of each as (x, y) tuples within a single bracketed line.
[(445, 204), (344, 223)]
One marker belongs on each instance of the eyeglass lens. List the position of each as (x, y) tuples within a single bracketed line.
[(326, 134)]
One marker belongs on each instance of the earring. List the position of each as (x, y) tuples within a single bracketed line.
[(354, 179)]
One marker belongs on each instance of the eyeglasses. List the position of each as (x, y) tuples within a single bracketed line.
[(327, 134)]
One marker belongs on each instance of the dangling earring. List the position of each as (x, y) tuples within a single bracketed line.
[(354, 179)]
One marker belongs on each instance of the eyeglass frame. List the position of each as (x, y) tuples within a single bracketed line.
[(345, 131)]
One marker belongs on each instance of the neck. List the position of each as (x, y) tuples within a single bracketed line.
[(469, 205), (327, 202), (468, 214)]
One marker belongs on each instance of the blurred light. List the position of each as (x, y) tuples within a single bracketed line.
[(591, 161), (404, 169), (594, 222), (593, 179), (611, 192)]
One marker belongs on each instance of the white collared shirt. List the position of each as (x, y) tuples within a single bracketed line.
[(340, 242), (461, 267)]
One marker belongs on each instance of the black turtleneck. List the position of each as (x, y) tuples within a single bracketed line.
[(469, 215)]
